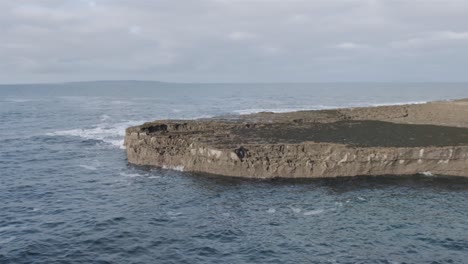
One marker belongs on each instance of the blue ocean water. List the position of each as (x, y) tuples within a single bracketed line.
[(68, 194)]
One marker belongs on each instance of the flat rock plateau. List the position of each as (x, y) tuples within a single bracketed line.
[(429, 138)]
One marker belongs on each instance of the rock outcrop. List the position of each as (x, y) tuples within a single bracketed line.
[(427, 138)]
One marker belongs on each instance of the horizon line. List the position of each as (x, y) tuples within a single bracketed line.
[(241, 82)]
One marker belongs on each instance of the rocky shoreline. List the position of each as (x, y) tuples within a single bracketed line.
[(429, 138)]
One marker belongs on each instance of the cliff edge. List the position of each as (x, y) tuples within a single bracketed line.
[(429, 138)]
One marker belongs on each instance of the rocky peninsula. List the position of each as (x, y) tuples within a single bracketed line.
[(429, 138)]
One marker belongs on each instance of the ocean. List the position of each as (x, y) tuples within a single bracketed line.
[(68, 194)]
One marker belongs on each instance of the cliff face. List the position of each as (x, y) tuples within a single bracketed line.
[(397, 140)]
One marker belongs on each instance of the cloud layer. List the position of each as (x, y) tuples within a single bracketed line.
[(233, 40)]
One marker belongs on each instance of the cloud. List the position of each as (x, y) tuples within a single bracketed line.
[(299, 19), (240, 36), (135, 30), (232, 40), (350, 46), (432, 38), (450, 35), (92, 4)]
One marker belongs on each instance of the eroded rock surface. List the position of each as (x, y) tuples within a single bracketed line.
[(401, 140)]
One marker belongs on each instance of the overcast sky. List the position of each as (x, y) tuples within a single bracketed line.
[(233, 40)]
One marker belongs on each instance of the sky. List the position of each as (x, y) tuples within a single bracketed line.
[(234, 40)]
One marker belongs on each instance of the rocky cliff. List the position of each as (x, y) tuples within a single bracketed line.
[(398, 140)]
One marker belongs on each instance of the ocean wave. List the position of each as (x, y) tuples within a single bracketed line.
[(112, 134), (281, 110), (132, 175), (104, 117), (7, 240), (314, 212), (427, 174), (175, 168), (397, 103), (295, 210), (88, 167), (18, 100), (320, 107)]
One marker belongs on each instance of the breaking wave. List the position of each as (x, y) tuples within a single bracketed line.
[(175, 168), (319, 107), (281, 110), (112, 134), (132, 175)]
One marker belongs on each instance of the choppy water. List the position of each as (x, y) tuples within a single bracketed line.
[(68, 195)]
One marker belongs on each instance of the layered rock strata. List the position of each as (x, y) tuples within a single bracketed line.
[(427, 138)]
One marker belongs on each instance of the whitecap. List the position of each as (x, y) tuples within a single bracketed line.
[(320, 107), (120, 102), (88, 167), (154, 177), (314, 212), (170, 213), (105, 117), (18, 100), (199, 117), (271, 210), (361, 198), (117, 143), (395, 103), (112, 134), (131, 175), (295, 210), (280, 110)]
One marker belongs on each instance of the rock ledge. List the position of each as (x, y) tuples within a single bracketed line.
[(427, 138)]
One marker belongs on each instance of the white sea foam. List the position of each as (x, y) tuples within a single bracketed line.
[(280, 110), (18, 100), (397, 103), (199, 117), (112, 134), (118, 143), (319, 107), (170, 213), (314, 212), (295, 210), (271, 210), (361, 199), (131, 175), (105, 117), (154, 177), (88, 167), (176, 168), (427, 173)]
